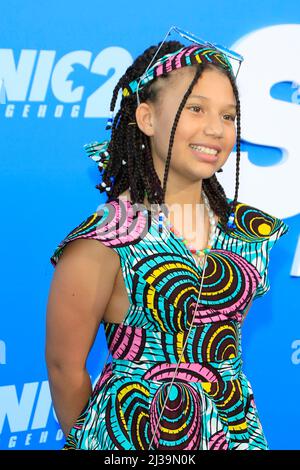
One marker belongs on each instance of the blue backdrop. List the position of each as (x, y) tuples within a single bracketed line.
[(60, 62)]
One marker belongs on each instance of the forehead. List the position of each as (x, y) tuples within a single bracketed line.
[(212, 83)]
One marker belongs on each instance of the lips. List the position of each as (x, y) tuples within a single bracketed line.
[(204, 157)]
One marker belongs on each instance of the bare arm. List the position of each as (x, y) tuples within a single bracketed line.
[(81, 287)]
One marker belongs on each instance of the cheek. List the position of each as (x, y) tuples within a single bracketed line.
[(161, 140), (184, 132), (231, 136), (163, 132)]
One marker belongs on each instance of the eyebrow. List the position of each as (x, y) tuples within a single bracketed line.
[(205, 97)]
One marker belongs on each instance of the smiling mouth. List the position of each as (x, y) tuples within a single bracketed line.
[(204, 150), (204, 157)]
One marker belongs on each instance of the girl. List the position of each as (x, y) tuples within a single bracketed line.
[(172, 299)]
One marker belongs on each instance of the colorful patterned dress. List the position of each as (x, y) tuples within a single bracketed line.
[(211, 404)]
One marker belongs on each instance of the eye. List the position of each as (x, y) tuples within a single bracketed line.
[(195, 107), (198, 108), (231, 117)]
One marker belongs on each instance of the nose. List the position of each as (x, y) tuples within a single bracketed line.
[(213, 127)]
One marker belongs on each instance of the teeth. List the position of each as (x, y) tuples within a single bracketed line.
[(204, 149)]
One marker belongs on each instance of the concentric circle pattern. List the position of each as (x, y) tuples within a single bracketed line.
[(254, 225), (167, 384), (180, 420)]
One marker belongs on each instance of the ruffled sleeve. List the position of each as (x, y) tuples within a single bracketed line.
[(281, 228), (254, 235), (94, 226), (101, 225), (116, 224)]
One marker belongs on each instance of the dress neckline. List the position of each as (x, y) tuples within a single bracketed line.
[(152, 216), (187, 250)]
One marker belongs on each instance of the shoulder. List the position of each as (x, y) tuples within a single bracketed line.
[(115, 223), (256, 225), (255, 234)]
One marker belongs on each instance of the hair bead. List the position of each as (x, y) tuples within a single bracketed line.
[(109, 121)]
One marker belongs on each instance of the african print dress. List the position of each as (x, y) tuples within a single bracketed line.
[(211, 404)]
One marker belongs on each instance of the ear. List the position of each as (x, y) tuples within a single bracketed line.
[(144, 118)]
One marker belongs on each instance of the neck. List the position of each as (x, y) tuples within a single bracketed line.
[(188, 195), (187, 198), (181, 190)]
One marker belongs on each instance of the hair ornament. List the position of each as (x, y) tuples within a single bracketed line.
[(98, 152), (185, 56), (230, 223), (110, 121)]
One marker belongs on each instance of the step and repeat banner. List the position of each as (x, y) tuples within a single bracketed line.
[(59, 64)]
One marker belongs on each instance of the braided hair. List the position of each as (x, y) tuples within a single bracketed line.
[(129, 143)]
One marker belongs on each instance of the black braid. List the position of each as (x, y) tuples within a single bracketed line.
[(126, 141), (139, 174), (238, 141)]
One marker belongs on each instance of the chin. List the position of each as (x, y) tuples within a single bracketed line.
[(205, 174)]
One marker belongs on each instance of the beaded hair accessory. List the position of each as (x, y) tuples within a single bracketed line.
[(185, 56)]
